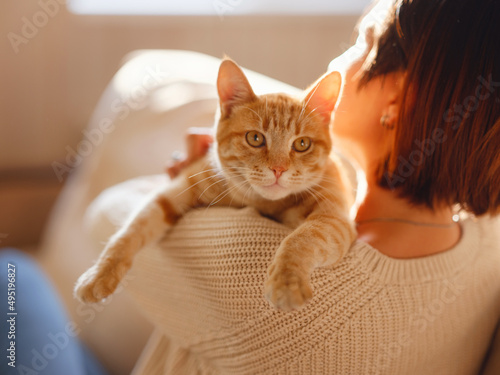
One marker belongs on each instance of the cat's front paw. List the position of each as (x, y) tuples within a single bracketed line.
[(286, 288), (95, 284)]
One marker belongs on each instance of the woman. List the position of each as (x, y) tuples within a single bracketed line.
[(419, 292)]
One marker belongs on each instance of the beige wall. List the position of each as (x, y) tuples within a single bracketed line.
[(51, 84)]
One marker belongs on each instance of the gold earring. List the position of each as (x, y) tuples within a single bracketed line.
[(383, 122)]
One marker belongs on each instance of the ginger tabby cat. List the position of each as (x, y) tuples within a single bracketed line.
[(271, 152)]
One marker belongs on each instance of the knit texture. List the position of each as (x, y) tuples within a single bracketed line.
[(203, 288)]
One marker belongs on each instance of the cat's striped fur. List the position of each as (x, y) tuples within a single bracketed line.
[(272, 152)]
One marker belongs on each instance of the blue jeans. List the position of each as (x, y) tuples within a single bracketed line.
[(36, 335)]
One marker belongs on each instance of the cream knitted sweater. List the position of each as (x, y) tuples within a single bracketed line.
[(203, 288)]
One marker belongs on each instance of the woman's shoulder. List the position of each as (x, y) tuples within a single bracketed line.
[(479, 246)]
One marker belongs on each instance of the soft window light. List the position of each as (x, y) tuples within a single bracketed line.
[(217, 7)]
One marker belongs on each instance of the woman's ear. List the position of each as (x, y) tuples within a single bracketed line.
[(390, 116), (394, 83)]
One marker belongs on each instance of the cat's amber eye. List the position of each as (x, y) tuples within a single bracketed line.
[(302, 144), (255, 139)]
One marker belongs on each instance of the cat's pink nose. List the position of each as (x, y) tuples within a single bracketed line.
[(278, 171)]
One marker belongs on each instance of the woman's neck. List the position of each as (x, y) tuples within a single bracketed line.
[(383, 222)]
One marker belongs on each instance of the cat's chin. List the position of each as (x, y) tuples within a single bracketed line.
[(272, 192)]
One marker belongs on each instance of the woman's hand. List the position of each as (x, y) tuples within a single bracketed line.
[(198, 141)]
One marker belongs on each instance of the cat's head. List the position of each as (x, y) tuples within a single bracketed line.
[(273, 145)]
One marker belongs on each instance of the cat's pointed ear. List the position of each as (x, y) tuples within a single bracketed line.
[(233, 87), (323, 94)]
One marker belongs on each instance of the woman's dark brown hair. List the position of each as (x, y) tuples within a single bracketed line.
[(446, 146)]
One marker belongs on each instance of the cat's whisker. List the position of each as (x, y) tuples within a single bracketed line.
[(322, 197), (209, 186), (250, 109), (217, 175), (225, 193), (325, 202), (311, 193), (301, 194), (231, 201), (327, 191), (301, 112), (222, 196), (239, 189), (205, 171), (230, 174), (246, 192), (311, 95), (199, 182), (312, 113), (322, 177), (304, 107), (237, 169), (325, 199)]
